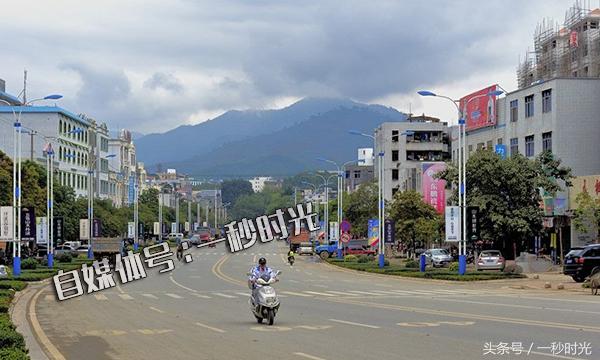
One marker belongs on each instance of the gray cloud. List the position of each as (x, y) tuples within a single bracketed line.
[(117, 60)]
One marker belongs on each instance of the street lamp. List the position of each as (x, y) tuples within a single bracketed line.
[(339, 203), (17, 179), (326, 211), (462, 173)]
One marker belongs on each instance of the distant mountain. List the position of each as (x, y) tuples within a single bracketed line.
[(185, 142), (295, 148)]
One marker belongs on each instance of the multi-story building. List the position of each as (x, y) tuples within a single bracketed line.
[(122, 168), (407, 146), (361, 172), (258, 183)]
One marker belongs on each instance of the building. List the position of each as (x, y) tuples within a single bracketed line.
[(365, 156), (122, 168), (258, 183), (357, 175), (568, 50), (407, 146)]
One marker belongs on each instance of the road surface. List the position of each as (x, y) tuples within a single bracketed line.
[(200, 311)]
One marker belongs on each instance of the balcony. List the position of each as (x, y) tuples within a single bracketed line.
[(426, 146)]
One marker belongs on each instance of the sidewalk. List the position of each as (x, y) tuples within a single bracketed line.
[(19, 313)]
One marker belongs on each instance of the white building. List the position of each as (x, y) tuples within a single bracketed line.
[(365, 156), (258, 183), (122, 168)]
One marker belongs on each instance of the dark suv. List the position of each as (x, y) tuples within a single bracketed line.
[(579, 263)]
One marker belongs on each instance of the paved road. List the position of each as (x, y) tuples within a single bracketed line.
[(200, 311)]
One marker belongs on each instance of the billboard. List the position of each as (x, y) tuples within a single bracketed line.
[(478, 109), (373, 232), (434, 190)]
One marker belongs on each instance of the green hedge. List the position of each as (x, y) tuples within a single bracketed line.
[(13, 354), (29, 263), (12, 344), (12, 284)]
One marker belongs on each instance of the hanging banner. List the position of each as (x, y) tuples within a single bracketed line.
[(156, 228), (373, 232), (472, 223), (174, 228), (131, 190), (434, 190), (140, 229), (334, 233), (389, 235), (28, 223), (41, 223), (97, 228), (58, 230), (187, 226), (6, 223), (84, 230), (452, 223), (130, 230)]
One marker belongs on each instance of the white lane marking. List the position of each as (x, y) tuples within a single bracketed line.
[(225, 295), (312, 357), (125, 297), (319, 293), (150, 296), (210, 328), (155, 309), (98, 297), (295, 293), (365, 292), (201, 296), (354, 323), (181, 286), (341, 293), (174, 296)]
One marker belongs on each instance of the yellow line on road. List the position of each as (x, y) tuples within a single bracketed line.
[(469, 316), (39, 333), (216, 269)]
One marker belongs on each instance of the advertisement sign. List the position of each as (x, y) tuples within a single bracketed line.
[(434, 190), (589, 184), (452, 223), (41, 236), (97, 228), (165, 228), (187, 226), (131, 190), (130, 230), (6, 223), (28, 223), (84, 232), (481, 110), (389, 233), (156, 228), (333, 230), (373, 232), (58, 229), (472, 223)]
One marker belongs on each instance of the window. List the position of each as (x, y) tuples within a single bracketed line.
[(529, 149), (547, 141), (489, 145), (357, 174), (547, 101), (470, 149), (394, 155), (394, 174), (514, 110), (529, 106), (499, 142), (514, 146), (394, 135), (479, 146)]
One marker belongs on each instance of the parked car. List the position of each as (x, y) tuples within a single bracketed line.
[(64, 249), (83, 249), (359, 249), (579, 263), (174, 236), (437, 257), (195, 239), (72, 244), (490, 260), (305, 248)]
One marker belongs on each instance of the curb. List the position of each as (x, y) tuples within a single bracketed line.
[(19, 316)]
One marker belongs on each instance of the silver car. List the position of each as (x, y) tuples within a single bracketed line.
[(490, 260), (437, 257), (305, 248)]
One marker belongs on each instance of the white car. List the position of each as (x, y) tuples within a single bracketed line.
[(173, 236), (305, 248)]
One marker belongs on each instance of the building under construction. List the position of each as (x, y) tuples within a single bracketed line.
[(570, 50)]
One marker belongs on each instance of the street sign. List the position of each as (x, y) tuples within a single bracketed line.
[(6, 223), (345, 226), (41, 236), (501, 150), (472, 223), (84, 232), (130, 230), (389, 235), (452, 223), (28, 223), (333, 230), (156, 228), (58, 230), (345, 237)]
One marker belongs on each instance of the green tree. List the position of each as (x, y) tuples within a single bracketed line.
[(231, 190), (416, 221), (586, 217), (360, 206), (6, 186)]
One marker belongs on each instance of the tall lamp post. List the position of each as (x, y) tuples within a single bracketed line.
[(326, 212), (17, 180), (462, 173)]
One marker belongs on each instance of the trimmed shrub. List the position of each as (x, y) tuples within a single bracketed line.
[(64, 258), (350, 258), (364, 259), (29, 263), (12, 284), (411, 264), (386, 262), (513, 269), (13, 354), (10, 338), (453, 267)]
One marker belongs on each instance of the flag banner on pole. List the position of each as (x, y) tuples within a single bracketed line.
[(41, 230), (6, 223), (28, 231)]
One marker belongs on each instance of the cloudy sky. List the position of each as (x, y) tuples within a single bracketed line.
[(151, 65)]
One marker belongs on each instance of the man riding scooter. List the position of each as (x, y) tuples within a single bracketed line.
[(257, 272), (291, 257)]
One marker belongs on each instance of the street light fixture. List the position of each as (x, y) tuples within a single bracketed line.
[(339, 203), (462, 165)]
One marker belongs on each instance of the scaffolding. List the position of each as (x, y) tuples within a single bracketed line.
[(570, 50)]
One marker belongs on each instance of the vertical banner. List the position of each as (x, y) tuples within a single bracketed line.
[(389, 231), (28, 223), (174, 227), (84, 232), (130, 230), (131, 190), (97, 228), (165, 228), (140, 230), (187, 226), (196, 226), (452, 223), (472, 223), (156, 228), (373, 232), (434, 190), (58, 230), (41, 223), (334, 233), (6, 223)]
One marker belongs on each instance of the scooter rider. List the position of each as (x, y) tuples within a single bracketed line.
[(290, 255), (257, 272)]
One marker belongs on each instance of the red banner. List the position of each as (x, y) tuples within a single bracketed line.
[(434, 190), (479, 109)]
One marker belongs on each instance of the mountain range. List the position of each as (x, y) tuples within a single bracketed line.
[(267, 142)]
